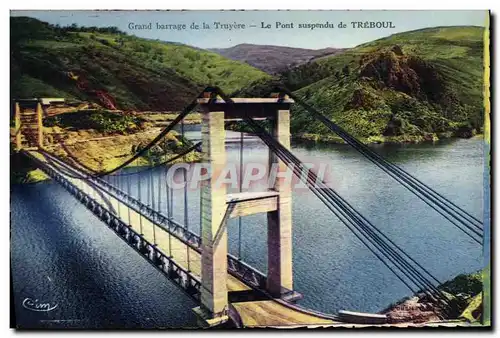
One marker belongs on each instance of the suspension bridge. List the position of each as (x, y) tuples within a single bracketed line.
[(230, 291)]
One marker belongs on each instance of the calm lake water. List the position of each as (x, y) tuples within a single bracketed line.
[(62, 254)]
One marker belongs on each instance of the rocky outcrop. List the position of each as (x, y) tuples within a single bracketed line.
[(405, 73), (412, 310), (463, 294)]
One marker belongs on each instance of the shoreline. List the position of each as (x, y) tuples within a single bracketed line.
[(404, 139), (36, 175), (98, 151)]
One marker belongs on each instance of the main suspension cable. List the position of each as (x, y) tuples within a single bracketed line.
[(422, 191), (410, 272)]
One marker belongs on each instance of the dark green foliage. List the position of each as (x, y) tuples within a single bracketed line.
[(157, 154), (315, 71), (408, 86), (470, 284), (139, 74), (461, 290), (22, 168), (101, 121), (345, 70)]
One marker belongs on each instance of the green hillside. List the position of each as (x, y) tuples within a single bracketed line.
[(412, 86), (87, 63)]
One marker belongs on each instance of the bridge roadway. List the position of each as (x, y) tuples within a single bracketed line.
[(254, 313)]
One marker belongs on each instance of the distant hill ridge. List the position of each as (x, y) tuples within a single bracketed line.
[(412, 86), (273, 59)]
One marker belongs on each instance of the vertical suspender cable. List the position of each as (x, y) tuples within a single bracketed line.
[(186, 220), (128, 193), (151, 192), (148, 186), (241, 190), (106, 206), (168, 207), (118, 200), (139, 193), (201, 207), (160, 176), (171, 216), (200, 189), (151, 176)]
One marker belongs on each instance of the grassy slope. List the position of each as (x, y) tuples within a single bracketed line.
[(139, 74), (101, 154), (455, 53)]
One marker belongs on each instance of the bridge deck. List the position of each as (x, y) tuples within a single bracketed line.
[(253, 313)]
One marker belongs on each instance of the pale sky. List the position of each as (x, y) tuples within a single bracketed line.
[(293, 37)]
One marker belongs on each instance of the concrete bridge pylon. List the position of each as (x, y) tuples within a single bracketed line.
[(277, 203)]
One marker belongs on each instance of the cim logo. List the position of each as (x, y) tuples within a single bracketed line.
[(35, 305)]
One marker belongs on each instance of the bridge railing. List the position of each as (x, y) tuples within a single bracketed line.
[(236, 267), (184, 279), (167, 223)]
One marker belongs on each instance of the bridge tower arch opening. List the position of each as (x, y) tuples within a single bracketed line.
[(276, 202)]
